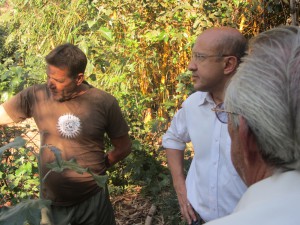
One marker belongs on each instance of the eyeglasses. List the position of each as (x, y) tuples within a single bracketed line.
[(201, 57), (221, 113)]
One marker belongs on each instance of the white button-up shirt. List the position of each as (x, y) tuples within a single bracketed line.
[(271, 201), (213, 185)]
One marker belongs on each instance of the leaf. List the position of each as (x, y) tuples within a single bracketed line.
[(100, 179), (91, 23), (4, 98), (60, 165), (83, 45), (17, 143), (92, 77), (106, 33), (286, 2), (25, 2), (57, 154), (137, 145), (27, 211)]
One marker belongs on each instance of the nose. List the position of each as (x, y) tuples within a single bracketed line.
[(50, 84), (192, 65)]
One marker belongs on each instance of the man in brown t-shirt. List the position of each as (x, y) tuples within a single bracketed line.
[(73, 116)]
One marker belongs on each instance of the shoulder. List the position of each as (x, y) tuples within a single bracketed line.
[(197, 97), (101, 98), (35, 87), (101, 94), (33, 91)]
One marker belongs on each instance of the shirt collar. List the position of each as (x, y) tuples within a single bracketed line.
[(206, 98)]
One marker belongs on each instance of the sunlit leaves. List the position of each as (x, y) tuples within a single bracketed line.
[(91, 23), (106, 33)]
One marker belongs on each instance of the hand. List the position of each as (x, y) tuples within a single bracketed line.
[(186, 208), (175, 163), (122, 148)]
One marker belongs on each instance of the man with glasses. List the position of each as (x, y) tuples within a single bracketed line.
[(262, 108), (212, 187)]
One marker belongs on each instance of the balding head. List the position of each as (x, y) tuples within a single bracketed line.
[(226, 41)]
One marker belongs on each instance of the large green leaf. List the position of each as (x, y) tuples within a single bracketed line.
[(106, 33), (27, 211), (17, 143), (59, 165)]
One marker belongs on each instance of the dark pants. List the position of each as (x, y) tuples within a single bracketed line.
[(199, 218), (97, 210), (199, 221)]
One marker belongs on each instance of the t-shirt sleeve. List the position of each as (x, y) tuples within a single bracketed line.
[(19, 107), (116, 126)]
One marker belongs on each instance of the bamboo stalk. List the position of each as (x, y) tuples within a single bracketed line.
[(151, 212)]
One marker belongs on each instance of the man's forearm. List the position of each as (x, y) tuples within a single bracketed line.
[(122, 148), (176, 164)]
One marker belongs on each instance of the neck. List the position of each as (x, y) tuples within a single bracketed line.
[(259, 172), (82, 88), (77, 91), (218, 97)]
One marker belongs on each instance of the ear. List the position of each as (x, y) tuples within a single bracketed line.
[(248, 143), (79, 79), (231, 63)]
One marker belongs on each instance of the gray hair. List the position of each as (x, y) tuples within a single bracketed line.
[(266, 92)]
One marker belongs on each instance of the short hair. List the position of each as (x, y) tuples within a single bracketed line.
[(68, 56), (233, 44), (266, 92)]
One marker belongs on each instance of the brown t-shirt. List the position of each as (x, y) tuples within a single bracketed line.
[(77, 128)]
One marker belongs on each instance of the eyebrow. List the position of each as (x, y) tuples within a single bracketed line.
[(62, 80), (200, 53)]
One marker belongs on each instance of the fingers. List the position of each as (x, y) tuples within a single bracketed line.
[(186, 208), (187, 212)]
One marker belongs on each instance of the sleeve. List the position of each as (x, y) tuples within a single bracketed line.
[(19, 107), (116, 125), (177, 135)]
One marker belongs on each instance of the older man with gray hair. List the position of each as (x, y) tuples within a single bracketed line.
[(262, 108)]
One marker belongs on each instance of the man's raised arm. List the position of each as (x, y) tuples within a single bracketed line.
[(4, 117)]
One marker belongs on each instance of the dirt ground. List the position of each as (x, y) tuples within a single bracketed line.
[(132, 209)]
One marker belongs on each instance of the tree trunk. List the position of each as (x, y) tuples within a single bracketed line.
[(294, 9)]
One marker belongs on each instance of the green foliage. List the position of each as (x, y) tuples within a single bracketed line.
[(17, 70), (146, 170), (18, 173), (27, 212)]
